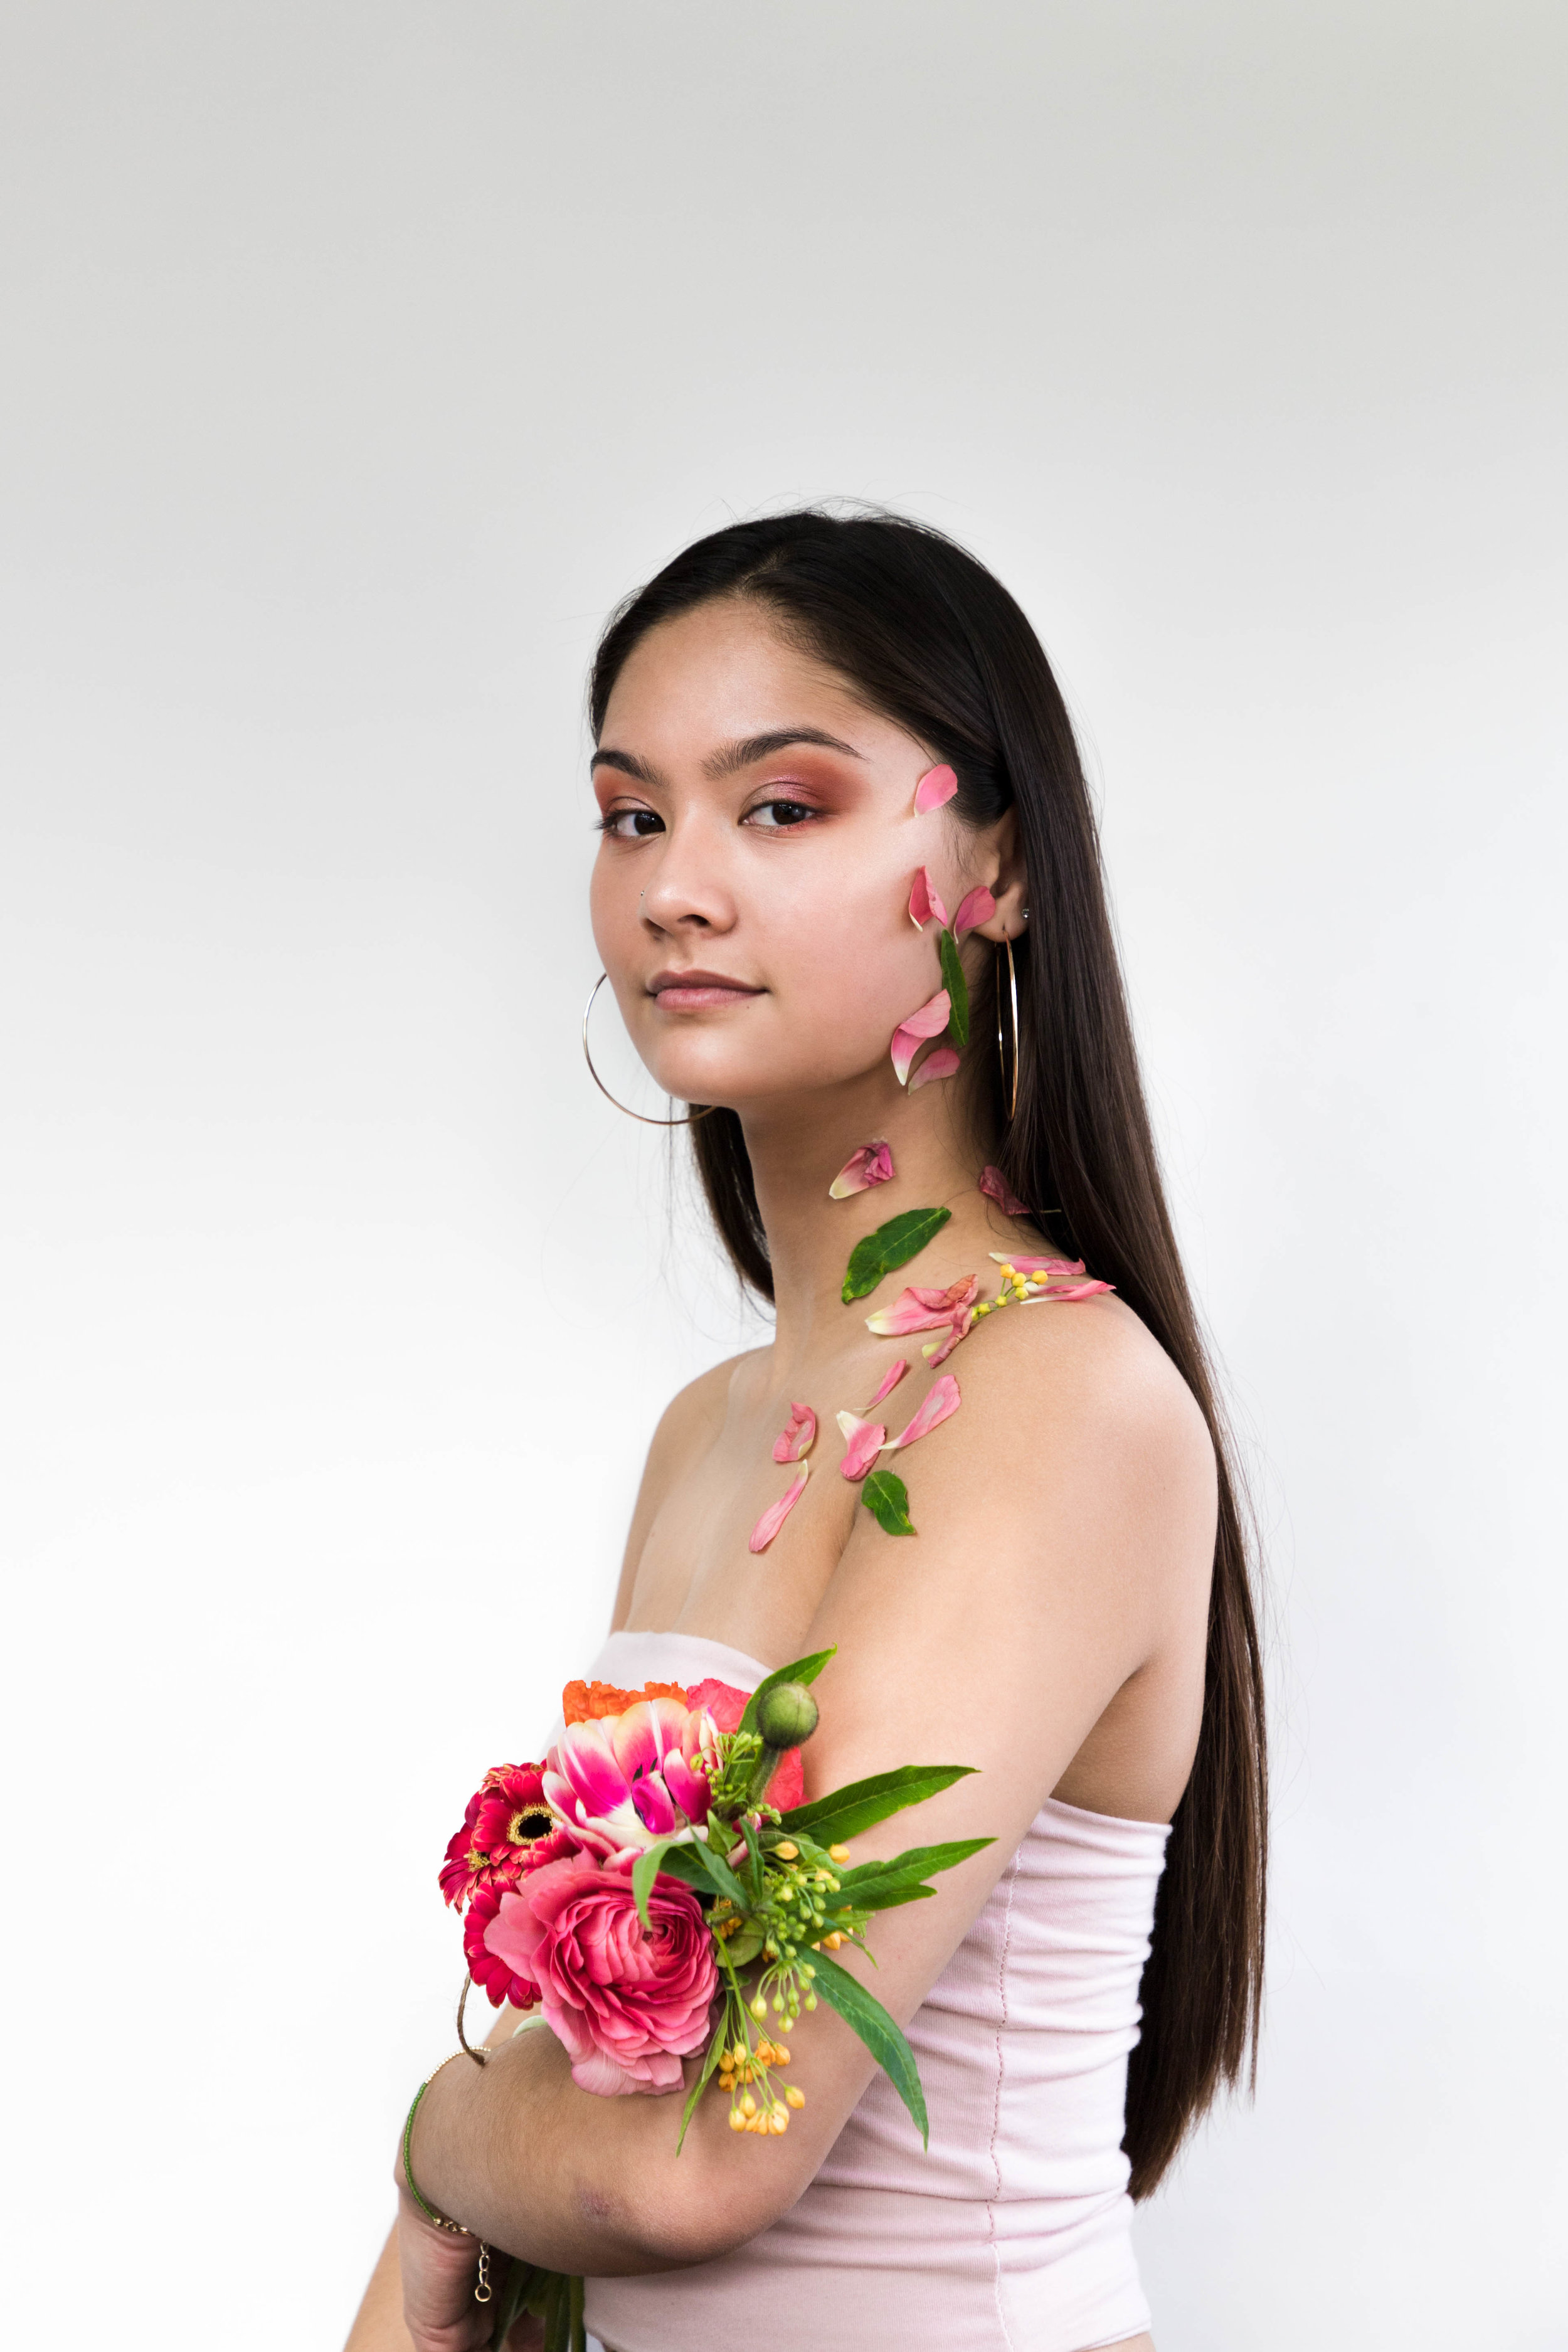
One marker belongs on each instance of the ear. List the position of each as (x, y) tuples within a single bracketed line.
[(999, 862)]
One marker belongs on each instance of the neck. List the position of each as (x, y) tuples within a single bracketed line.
[(797, 1148)]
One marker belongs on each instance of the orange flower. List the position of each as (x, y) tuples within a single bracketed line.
[(591, 1701)]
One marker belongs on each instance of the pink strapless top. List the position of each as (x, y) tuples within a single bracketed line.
[(1013, 2233)]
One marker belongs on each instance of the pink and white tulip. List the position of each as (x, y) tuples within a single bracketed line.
[(622, 1781), (872, 1164)]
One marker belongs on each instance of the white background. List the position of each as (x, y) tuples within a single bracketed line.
[(358, 358)]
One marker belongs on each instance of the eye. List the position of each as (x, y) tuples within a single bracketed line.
[(779, 816), (631, 824)]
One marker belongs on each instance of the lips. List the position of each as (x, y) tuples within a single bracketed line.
[(698, 991)]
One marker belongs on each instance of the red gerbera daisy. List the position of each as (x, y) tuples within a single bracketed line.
[(507, 1829), (494, 1977)]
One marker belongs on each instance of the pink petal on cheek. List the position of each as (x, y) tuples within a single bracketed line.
[(865, 1440), (924, 901), (773, 1518), (977, 908), (929, 1021), (943, 1063), (935, 787), (890, 1378)]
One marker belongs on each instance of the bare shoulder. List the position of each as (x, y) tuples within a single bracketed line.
[(1088, 1378), (695, 1414), (687, 1427), (1077, 1484)]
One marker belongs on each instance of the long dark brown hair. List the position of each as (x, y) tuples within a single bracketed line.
[(927, 635)]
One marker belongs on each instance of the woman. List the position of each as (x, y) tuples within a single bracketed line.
[(1073, 1616)]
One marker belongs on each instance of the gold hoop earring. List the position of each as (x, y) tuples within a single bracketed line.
[(691, 1117), (1001, 1054)]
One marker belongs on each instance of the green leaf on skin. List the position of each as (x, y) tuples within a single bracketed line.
[(887, 1498), (892, 1245), (861, 1804), (957, 988)]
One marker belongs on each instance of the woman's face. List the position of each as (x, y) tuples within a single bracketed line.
[(751, 895)]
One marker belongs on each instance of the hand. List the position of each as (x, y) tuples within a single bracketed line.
[(439, 2276)]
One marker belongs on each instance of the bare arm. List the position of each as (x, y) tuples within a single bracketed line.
[(1066, 1526)]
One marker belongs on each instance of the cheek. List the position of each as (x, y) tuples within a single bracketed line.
[(849, 975), (611, 908)]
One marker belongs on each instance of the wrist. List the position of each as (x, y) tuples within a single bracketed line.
[(409, 2192)]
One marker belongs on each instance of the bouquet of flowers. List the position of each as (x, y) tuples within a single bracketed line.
[(656, 1887)]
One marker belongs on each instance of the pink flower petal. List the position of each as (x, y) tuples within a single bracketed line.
[(937, 1351), (643, 1734), (865, 1441), (585, 1755), (941, 1402), (872, 1164), (1064, 1293), (775, 1515), (936, 786), (922, 1310), (929, 1021), (890, 1378), (797, 1436), (924, 902), (655, 1806), (994, 1184), (978, 906), (943, 1063)]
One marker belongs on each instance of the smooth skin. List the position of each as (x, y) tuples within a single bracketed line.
[(1047, 1623)]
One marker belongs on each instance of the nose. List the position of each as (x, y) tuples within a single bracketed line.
[(689, 890)]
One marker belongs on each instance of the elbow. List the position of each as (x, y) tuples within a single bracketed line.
[(703, 2218)]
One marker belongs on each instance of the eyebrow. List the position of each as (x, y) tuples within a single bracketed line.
[(732, 756), (735, 756)]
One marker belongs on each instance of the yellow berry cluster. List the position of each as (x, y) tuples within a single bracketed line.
[(758, 2107), (1015, 1288)]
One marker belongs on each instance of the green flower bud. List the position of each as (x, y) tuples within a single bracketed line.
[(786, 1714)]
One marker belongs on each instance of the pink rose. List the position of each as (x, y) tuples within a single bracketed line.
[(627, 2002)]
